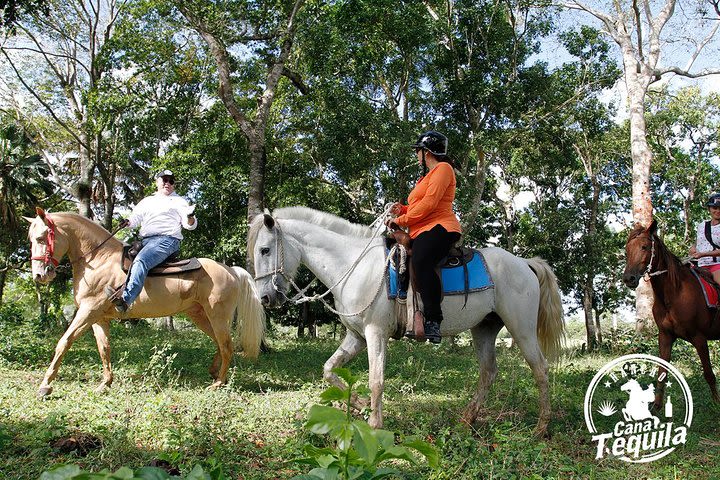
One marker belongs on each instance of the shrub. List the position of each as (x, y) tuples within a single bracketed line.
[(358, 449)]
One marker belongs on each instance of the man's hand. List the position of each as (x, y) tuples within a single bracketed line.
[(396, 208), (124, 222)]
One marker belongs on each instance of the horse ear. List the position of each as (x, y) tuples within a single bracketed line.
[(40, 212), (269, 221), (653, 227)]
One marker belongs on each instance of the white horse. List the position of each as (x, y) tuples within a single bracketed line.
[(346, 258)]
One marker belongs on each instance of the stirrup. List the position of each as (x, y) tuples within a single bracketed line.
[(418, 331)]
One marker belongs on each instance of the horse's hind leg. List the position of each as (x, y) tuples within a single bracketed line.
[(79, 325), (199, 318), (530, 349), (220, 316), (101, 329), (700, 344), (484, 335)]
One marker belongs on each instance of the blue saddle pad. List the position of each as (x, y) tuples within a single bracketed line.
[(453, 278)]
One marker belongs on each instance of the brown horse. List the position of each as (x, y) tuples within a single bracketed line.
[(679, 308), (210, 296)]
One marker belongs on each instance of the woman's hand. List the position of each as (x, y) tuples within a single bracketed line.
[(396, 208)]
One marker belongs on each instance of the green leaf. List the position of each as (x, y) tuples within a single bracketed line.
[(384, 472), (124, 473), (346, 375), (326, 461), (428, 451), (323, 419), (151, 473), (399, 453), (61, 472), (365, 441), (333, 394), (385, 438), (197, 473)]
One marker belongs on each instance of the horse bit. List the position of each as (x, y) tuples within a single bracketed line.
[(646, 274)]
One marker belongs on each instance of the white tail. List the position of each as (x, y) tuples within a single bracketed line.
[(250, 324), (551, 325)]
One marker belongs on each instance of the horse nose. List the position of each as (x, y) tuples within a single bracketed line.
[(631, 280), (265, 300), (38, 277)]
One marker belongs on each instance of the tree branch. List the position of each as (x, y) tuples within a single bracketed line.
[(42, 102)]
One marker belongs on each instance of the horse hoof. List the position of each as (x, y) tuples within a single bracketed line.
[(102, 388), (215, 385), (44, 392)]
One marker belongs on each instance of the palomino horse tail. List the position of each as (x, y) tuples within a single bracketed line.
[(551, 325), (250, 324)]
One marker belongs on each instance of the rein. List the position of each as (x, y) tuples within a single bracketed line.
[(647, 274), (300, 297)]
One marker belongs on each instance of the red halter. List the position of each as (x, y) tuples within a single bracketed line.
[(50, 245)]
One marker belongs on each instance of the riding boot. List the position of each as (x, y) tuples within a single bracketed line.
[(433, 318)]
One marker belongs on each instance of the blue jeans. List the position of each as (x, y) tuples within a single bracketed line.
[(155, 250)]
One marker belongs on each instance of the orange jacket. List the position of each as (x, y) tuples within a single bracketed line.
[(430, 202)]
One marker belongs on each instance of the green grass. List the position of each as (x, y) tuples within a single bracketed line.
[(158, 410)]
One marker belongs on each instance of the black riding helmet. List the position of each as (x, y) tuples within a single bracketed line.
[(713, 200), (434, 142)]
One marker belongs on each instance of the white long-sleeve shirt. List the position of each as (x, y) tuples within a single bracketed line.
[(161, 214)]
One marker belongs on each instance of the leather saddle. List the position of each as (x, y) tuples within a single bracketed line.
[(172, 265)]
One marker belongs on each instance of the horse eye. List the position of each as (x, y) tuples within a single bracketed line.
[(264, 251), (644, 247)]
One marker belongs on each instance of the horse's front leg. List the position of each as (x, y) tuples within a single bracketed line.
[(101, 329), (665, 343), (80, 324), (377, 349), (351, 345), (701, 346)]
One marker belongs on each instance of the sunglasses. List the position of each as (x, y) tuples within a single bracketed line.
[(169, 180)]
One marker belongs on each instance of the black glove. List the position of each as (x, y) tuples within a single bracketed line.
[(123, 223)]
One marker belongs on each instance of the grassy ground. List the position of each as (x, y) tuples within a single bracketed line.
[(158, 411)]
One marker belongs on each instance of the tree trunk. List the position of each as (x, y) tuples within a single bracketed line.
[(3, 277), (637, 83), (588, 309)]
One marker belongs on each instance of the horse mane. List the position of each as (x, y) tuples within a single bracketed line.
[(316, 217), (92, 231)]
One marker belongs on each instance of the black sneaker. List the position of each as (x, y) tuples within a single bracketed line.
[(122, 306), (432, 332)]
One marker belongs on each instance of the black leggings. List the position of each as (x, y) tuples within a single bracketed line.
[(428, 249)]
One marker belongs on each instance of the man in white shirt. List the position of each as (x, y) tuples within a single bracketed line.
[(161, 218)]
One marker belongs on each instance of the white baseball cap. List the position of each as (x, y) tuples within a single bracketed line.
[(165, 173)]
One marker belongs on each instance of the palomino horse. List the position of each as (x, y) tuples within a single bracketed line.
[(347, 258), (210, 296), (679, 308)]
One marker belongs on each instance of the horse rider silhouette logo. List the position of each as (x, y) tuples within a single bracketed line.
[(620, 410)]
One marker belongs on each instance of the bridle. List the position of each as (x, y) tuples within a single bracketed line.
[(49, 261), (279, 265), (48, 258), (647, 273), (300, 297)]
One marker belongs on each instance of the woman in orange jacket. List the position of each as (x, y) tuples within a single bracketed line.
[(432, 224)]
